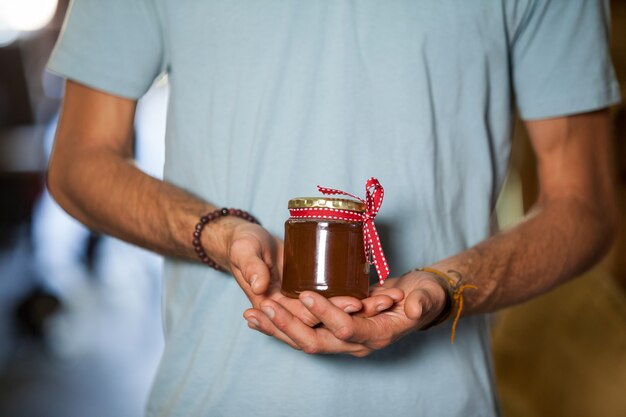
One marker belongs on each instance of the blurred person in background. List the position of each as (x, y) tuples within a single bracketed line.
[(269, 99)]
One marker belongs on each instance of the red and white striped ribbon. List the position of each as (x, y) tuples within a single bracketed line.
[(374, 194)]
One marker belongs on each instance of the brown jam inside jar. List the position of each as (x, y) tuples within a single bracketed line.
[(325, 255)]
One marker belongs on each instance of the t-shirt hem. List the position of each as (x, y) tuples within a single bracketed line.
[(569, 105), (94, 77)]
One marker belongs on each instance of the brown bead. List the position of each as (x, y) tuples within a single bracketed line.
[(207, 218)]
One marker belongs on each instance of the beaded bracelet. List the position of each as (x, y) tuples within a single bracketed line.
[(209, 217)]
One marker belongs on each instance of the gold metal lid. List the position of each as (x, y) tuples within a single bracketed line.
[(334, 203)]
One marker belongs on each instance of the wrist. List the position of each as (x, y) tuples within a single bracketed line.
[(216, 237), (454, 287), (441, 291), (213, 235)]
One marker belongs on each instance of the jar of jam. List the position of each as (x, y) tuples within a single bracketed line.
[(324, 251)]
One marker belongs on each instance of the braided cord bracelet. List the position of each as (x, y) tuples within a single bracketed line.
[(208, 218), (454, 297)]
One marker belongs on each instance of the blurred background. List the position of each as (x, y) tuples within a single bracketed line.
[(564, 354), (80, 320)]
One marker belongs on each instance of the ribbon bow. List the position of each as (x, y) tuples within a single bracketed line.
[(374, 194)]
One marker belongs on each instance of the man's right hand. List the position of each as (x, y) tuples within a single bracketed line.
[(255, 258)]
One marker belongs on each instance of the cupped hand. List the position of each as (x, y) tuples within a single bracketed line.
[(255, 258), (423, 299)]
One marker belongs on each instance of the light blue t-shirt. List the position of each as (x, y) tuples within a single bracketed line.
[(271, 97)]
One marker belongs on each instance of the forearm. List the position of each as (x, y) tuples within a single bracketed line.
[(92, 175), (557, 241), (109, 194), (567, 231)]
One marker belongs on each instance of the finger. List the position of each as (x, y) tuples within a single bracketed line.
[(376, 304), (395, 293), (257, 320), (280, 253), (272, 256), (381, 300), (413, 305), (342, 325), (310, 340), (295, 307), (346, 303), (246, 256), (421, 304)]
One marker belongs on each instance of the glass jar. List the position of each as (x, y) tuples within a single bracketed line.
[(324, 249)]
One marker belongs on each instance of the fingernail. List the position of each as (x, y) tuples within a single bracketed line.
[(253, 280), (381, 307), (350, 309), (253, 321), (269, 312), (307, 301)]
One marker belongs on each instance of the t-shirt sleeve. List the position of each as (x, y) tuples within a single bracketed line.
[(112, 45), (560, 59)]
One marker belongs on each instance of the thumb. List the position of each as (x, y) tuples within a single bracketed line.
[(414, 304), (420, 305), (247, 257)]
